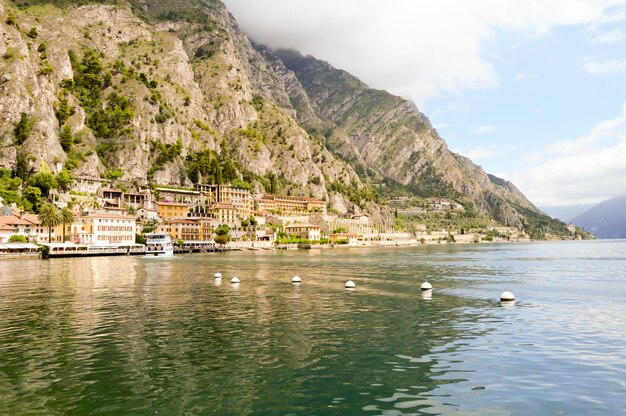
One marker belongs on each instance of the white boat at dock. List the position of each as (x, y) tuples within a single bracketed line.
[(159, 245), (80, 250)]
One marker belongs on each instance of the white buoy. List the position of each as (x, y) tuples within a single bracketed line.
[(234, 280), (426, 286), (218, 275), (350, 284), (507, 297), (296, 280), (427, 294)]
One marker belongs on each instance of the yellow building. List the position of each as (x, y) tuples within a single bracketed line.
[(170, 210), (289, 205), (308, 231), (224, 213), (200, 229), (347, 237), (239, 198), (186, 230)]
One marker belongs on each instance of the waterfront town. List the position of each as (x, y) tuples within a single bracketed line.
[(105, 215)]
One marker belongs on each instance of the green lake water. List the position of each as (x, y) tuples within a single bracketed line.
[(154, 336)]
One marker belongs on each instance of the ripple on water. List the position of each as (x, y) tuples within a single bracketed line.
[(89, 336)]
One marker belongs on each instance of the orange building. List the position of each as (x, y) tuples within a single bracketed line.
[(289, 205), (169, 210)]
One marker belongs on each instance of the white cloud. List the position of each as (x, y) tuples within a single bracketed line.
[(522, 76), (614, 36), (415, 49), (484, 129), (586, 170), (481, 152), (532, 157), (608, 67)]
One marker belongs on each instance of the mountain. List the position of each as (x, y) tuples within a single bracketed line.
[(174, 93), (566, 212), (605, 220)]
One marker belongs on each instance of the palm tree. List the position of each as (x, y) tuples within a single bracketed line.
[(49, 216), (67, 217)]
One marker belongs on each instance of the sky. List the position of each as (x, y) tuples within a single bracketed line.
[(532, 91)]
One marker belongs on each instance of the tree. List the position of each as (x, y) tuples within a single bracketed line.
[(44, 181), (222, 230), (49, 216), (23, 128), (64, 179), (34, 196), (67, 217), (222, 234), (66, 138), (222, 239)]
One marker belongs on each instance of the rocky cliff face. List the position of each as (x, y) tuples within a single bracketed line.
[(194, 81), (387, 138), (172, 92)]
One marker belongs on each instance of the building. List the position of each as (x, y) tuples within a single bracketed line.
[(224, 213), (169, 210), (197, 229), (135, 200), (289, 205), (103, 229), (179, 229), (89, 185), (147, 214), (186, 196), (24, 224), (342, 238), (239, 198), (307, 231)]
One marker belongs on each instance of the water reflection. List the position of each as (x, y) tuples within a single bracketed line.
[(135, 336)]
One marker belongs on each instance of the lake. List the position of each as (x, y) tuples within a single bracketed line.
[(146, 336)]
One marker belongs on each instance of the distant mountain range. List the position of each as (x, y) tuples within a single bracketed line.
[(605, 220), (566, 212)]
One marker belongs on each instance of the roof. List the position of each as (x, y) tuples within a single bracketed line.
[(223, 205), (180, 222), (13, 220), (166, 203), (178, 191), (34, 218), (273, 197), (302, 226), (111, 216), (14, 246)]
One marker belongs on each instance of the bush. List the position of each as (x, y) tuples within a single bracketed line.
[(11, 20), (114, 174), (66, 138), (23, 128), (18, 238)]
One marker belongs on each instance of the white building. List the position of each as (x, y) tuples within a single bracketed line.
[(103, 229)]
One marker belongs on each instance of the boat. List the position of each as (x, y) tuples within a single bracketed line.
[(159, 245)]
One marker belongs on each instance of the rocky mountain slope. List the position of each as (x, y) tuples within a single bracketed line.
[(173, 92), (388, 140), (605, 220)]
